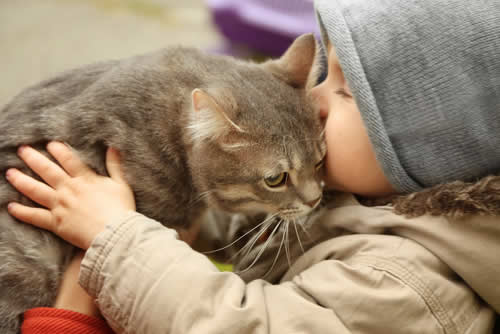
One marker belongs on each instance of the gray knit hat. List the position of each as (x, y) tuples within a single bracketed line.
[(426, 77)]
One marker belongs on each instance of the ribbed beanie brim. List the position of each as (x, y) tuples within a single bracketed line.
[(425, 75)]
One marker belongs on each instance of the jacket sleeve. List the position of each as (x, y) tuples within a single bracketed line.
[(46, 320), (147, 281)]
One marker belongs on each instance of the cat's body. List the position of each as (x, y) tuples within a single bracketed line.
[(189, 127)]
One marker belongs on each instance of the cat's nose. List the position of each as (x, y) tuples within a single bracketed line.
[(314, 202)]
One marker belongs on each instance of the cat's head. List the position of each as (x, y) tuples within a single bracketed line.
[(257, 141)]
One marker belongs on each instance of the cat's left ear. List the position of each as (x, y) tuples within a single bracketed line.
[(209, 119), (299, 65)]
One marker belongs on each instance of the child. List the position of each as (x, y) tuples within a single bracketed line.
[(412, 97)]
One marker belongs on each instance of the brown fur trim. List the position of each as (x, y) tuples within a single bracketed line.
[(455, 199)]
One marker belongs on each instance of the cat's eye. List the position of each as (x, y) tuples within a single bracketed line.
[(276, 180)]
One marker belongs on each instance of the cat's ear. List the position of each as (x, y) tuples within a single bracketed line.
[(208, 119), (299, 65)]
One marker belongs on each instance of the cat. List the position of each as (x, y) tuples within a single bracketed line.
[(195, 131)]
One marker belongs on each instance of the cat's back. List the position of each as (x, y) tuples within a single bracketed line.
[(174, 66), (186, 67), (67, 85), (57, 89)]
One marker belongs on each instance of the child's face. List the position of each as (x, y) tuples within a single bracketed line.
[(350, 161)]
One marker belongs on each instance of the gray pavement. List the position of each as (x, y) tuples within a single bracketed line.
[(39, 38)]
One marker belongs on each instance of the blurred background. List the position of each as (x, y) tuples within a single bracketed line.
[(39, 38)]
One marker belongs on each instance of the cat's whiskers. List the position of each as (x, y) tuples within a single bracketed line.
[(268, 222), (286, 139), (322, 133), (253, 241), (235, 241), (298, 236), (287, 243), (263, 248), (200, 197), (303, 227), (275, 258)]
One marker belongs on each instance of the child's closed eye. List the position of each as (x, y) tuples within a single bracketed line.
[(343, 92)]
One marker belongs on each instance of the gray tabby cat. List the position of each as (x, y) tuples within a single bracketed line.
[(195, 131)]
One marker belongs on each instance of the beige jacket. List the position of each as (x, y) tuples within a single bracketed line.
[(364, 270)]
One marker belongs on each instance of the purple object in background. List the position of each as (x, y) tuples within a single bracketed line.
[(267, 26)]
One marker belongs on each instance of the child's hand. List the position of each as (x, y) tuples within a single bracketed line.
[(79, 202)]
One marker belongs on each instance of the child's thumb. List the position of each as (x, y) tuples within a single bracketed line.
[(113, 165)]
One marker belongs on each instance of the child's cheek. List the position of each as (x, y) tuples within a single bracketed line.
[(338, 153), (350, 161)]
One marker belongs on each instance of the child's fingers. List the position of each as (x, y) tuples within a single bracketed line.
[(68, 159), (34, 216), (41, 165), (113, 165), (35, 190)]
